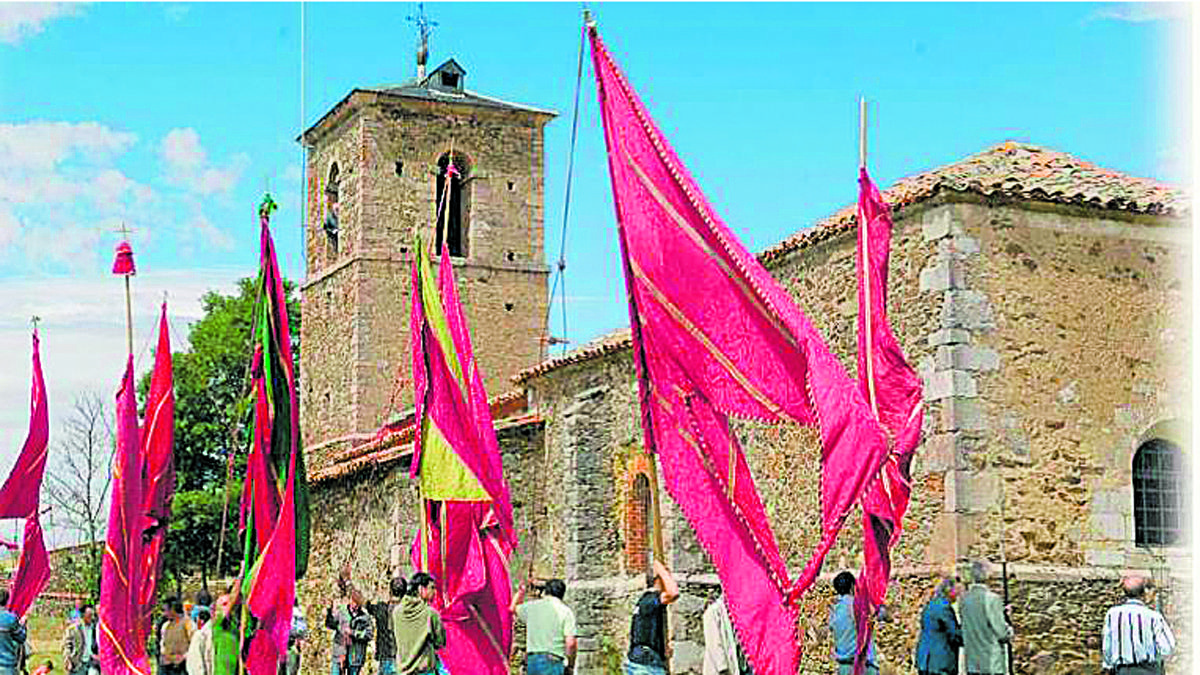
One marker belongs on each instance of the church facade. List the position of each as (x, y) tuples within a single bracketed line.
[(1041, 296)]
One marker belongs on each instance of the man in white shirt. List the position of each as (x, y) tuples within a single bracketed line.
[(549, 630), (722, 653), (1136, 638)]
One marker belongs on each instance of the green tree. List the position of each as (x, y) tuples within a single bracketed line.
[(212, 402)]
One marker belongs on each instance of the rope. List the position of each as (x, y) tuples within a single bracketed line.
[(559, 280), (233, 429), (561, 266)]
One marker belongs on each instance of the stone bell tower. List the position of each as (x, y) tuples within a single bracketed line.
[(378, 165)]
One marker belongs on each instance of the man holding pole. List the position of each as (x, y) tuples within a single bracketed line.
[(647, 632), (985, 630), (550, 629)]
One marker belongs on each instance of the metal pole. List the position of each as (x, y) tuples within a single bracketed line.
[(128, 317), (1008, 646), (862, 132)]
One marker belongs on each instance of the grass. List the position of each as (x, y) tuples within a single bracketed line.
[(45, 638)]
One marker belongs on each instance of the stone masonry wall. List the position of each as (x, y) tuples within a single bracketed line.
[(328, 298), (387, 149)]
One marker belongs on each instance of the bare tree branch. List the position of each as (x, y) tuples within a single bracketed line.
[(79, 480)]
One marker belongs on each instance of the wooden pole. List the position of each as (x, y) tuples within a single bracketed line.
[(656, 536), (862, 132), (656, 542)]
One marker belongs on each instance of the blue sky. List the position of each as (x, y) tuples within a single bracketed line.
[(173, 118)]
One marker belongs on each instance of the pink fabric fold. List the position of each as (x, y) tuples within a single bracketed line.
[(158, 447), (893, 390), (122, 640), (33, 568), (123, 260), (273, 594)]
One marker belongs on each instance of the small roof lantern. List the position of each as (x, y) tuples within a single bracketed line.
[(447, 77)]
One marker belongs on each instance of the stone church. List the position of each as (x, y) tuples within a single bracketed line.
[(1043, 298)]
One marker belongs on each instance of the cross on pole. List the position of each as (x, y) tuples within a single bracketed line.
[(424, 27)]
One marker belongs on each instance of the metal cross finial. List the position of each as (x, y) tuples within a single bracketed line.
[(424, 25), (124, 230), (34, 320)]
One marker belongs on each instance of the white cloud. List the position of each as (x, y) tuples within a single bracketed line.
[(1142, 12), (40, 146), (19, 20), (59, 185), (188, 167)]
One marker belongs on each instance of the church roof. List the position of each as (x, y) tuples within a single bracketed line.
[(1017, 171), (1010, 170), (443, 84)]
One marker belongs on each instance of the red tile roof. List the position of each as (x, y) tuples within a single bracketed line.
[(1010, 169), (1015, 171), (394, 440)]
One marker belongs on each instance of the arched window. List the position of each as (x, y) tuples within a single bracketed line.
[(453, 205), (637, 533), (1158, 479), (330, 224)]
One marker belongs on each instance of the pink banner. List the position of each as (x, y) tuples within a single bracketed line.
[(20, 495), (121, 637), (467, 542), (158, 446), (893, 390), (714, 336)]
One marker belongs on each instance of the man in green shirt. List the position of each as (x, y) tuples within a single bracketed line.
[(549, 630), (417, 629)]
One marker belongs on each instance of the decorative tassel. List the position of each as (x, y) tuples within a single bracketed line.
[(123, 263)]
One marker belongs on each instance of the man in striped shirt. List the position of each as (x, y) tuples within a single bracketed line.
[(1136, 638)]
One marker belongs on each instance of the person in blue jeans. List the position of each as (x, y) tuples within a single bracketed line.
[(647, 631), (12, 637), (937, 649)]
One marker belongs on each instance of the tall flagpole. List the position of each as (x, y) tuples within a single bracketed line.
[(862, 132), (122, 252)]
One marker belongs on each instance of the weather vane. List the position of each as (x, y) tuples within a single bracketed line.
[(424, 27)]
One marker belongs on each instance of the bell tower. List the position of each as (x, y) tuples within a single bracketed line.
[(379, 163)]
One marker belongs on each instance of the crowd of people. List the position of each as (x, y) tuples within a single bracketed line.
[(408, 633)]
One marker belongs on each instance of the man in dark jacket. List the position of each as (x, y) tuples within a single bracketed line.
[(937, 649), (647, 631)]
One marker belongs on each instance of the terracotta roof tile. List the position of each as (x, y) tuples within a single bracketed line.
[(606, 344), (1016, 171)]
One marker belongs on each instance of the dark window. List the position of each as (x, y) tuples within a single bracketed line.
[(331, 225), (452, 206), (450, 80), (1157, 493)]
